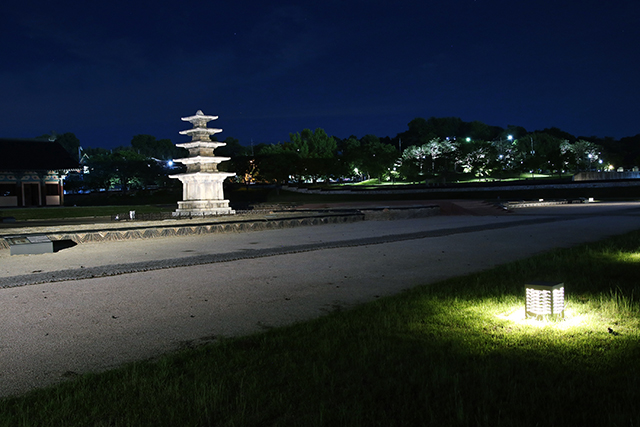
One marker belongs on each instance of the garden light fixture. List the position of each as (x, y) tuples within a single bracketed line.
[(544, 300)]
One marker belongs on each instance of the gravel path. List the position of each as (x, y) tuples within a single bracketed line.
[(135, 267)]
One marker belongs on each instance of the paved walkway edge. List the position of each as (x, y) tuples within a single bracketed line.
[(156, 229)]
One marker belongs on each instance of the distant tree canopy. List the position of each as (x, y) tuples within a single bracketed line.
[(124, 170), (68, 140), (315, 152), (367, 157), (162, 149), (432, 147), (421, 131), (231, 149), (428, 148)]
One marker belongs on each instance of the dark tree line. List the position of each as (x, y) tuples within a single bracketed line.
[(428, 149), (435, 147)]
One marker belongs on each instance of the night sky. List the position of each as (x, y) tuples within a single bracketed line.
[(107, 71)]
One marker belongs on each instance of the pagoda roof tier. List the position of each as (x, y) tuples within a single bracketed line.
[(210, 131), (200, 119), (218, 175), (201, 144), (203, 131), (201, 159), (203, 134)]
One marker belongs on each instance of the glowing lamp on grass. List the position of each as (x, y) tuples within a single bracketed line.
[(544, 300)]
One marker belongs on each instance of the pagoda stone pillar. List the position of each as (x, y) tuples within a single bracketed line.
[(202, 183)]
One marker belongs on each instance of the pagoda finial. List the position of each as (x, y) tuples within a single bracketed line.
[(199, 120)]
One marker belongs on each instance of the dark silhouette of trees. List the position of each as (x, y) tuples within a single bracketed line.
[(162, 149), (316, 153), (68, 140), (429, 148)]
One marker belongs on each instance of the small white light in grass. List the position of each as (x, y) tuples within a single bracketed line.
[(544, 300)]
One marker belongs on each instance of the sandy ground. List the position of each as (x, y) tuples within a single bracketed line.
[(52, 331)]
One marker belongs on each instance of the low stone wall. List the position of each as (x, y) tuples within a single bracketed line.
[(154, 229), (184, 228), (602, 176), (477, 188), (515, 205)]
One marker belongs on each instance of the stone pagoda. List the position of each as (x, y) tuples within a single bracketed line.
[(202, 183)]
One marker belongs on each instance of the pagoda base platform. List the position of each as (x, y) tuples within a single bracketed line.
[(203, 208)]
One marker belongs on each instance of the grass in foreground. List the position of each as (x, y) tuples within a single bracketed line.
[(455, 353)]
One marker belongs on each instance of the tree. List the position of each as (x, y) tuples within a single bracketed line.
[(515, 131), (419, 132), (317, 152), (239, 161), (477, 157), (276, 162), (416, 158), (446, 127), (413, 159), (422, 131), (68, 140), (628, 152), (100, 171), (232, 149), (376, 158), (125, 169), (506, 153), (149, 146), (438, 148), (584, 154), (70, 143), (350, 159), (533, 152), (137, 171), (559, 133), (478, 130), (546, 152)]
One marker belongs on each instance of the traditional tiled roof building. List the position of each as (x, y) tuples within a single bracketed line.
[(32, 172)]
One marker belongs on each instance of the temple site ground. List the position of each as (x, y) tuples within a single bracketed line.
[(94, 305)]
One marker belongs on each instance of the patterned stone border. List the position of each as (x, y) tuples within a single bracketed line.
[(128, 232), (92, 236)]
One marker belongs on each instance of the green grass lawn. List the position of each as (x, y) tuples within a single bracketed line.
[(459, 352)]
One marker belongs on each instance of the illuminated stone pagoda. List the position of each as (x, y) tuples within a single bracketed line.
[(202, 183)]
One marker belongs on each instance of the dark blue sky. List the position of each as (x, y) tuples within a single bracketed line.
[(107, 71)]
